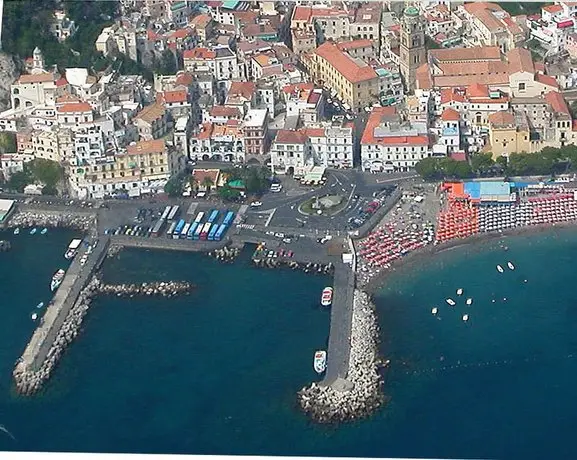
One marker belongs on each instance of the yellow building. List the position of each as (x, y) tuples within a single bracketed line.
[(508, 134), (355, 82)]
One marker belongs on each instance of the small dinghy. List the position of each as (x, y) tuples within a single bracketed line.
[(460, 291), (469, 301), (33, 231), (451, 302), (44, 231), (499, 269), (465, 318), (16, 231), (34, 316), (434, 310), (40, 305), (510, 265)]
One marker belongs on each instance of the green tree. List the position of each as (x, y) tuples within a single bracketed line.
[(166, 64), (19, 180), (7, 142), (428, 168), (49, 190), (481, 163), (207, 182), (46, 171), (227, 193)]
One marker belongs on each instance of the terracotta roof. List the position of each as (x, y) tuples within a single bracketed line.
[(151, 113), (375, 120), (474, 68), (61, 82), (547, 80), (450, 114), (314, 132), (245, 17), (199, 53), (423, 77), (201, 174), (298, 86), (75, 107), (552, 9), (476, 53), (205, 131), (181, 33), (146, 147), (67, 98), (354, 44), (307, 13), (287, 136), (184, 78), (557, 102), (520, 60), (202, 20), (170, 97), (502, 119), (343, 64), (449, 95), (254, 30), (244, 89), (477, 90), (224, 111), (37, 78), (459, 81)]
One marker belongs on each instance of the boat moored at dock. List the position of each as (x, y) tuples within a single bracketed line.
[(327, 297), (33, 231), (320, 363), (57, 280), (72, 248)]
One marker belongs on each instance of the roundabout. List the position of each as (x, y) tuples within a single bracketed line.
[(327, 205)]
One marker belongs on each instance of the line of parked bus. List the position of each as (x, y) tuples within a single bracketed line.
[(210, 230)]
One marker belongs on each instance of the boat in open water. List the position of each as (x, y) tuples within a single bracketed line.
[(460, 291), (469, 301), (40, 305), (327, 297), (499, 269), (320, 363), (510, 265), (16, 230), (451, 302), (57, 280)]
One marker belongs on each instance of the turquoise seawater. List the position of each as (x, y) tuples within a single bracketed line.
[(216, 372)]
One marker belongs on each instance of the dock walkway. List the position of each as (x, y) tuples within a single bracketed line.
[(341, 323), (168, 243), (76, 278)]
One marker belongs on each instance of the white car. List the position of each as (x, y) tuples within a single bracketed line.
[(256, 204)]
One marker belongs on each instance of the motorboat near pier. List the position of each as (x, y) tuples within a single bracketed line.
[(320, 363), (57, 280), (72, 248), (327, 297)]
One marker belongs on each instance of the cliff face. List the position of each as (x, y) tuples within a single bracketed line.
[(9, 72)]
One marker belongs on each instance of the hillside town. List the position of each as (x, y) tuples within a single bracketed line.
[(376, 86)]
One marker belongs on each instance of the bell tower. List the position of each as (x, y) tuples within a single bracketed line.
[(412, 47)]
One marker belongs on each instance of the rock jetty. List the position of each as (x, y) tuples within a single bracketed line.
[(53, 219), (225, 254), (361, 394), (161, 289), (308, 267), (30, 382)]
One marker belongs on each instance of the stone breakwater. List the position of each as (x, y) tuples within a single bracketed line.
[(364, 395), (30, 382), (161, 289), (225, 254), (308, 267), (48, 219)]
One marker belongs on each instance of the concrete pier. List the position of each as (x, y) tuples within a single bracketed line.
[(76, 278), (167, 243), (339, 350)]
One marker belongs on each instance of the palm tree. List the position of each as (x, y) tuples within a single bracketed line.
[(208, 183), (193, 181)]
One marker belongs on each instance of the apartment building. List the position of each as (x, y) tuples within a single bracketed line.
[(152, 122), (389, 145), (256, 139), (327, 23), (305, 101), (221, 61), (218, 143)]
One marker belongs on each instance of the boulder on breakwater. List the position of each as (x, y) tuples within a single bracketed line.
[(225, 254), (361, 394), (308, 267), (53, 220), (164, 289)]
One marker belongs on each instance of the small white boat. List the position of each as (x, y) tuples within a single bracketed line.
[(320, 363), (434, 310), (44, 231), (327, 297), (460, 291), (33, 231), (57, 280), (465, 318), (40, 305), (499, 269), (451, 302), (16, 231), (510, 265), (34, 316), (469, 301)]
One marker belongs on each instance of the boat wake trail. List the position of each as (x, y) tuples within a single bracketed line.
[(5, 430)]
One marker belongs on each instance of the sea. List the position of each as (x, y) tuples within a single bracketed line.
[(217, 372)]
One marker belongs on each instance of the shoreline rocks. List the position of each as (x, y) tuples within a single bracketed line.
[(163, 289), (362, 394), (52, 220), (308, 267)]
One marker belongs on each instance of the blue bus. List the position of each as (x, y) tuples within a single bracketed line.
[(213, 216), (228, 218), (197, 232), (191, 230), (178, 229), (212, 232), (220, 232)]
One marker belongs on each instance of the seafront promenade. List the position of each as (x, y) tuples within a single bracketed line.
[(76, 278)]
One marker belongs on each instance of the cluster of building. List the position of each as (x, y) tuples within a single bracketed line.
[(294, 85)]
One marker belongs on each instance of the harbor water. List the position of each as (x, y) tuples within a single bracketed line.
[(217, 372)]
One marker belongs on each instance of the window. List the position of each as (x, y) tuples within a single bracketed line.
[(521, 86)]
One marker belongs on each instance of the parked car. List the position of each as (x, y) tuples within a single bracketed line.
[(256, 204)]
